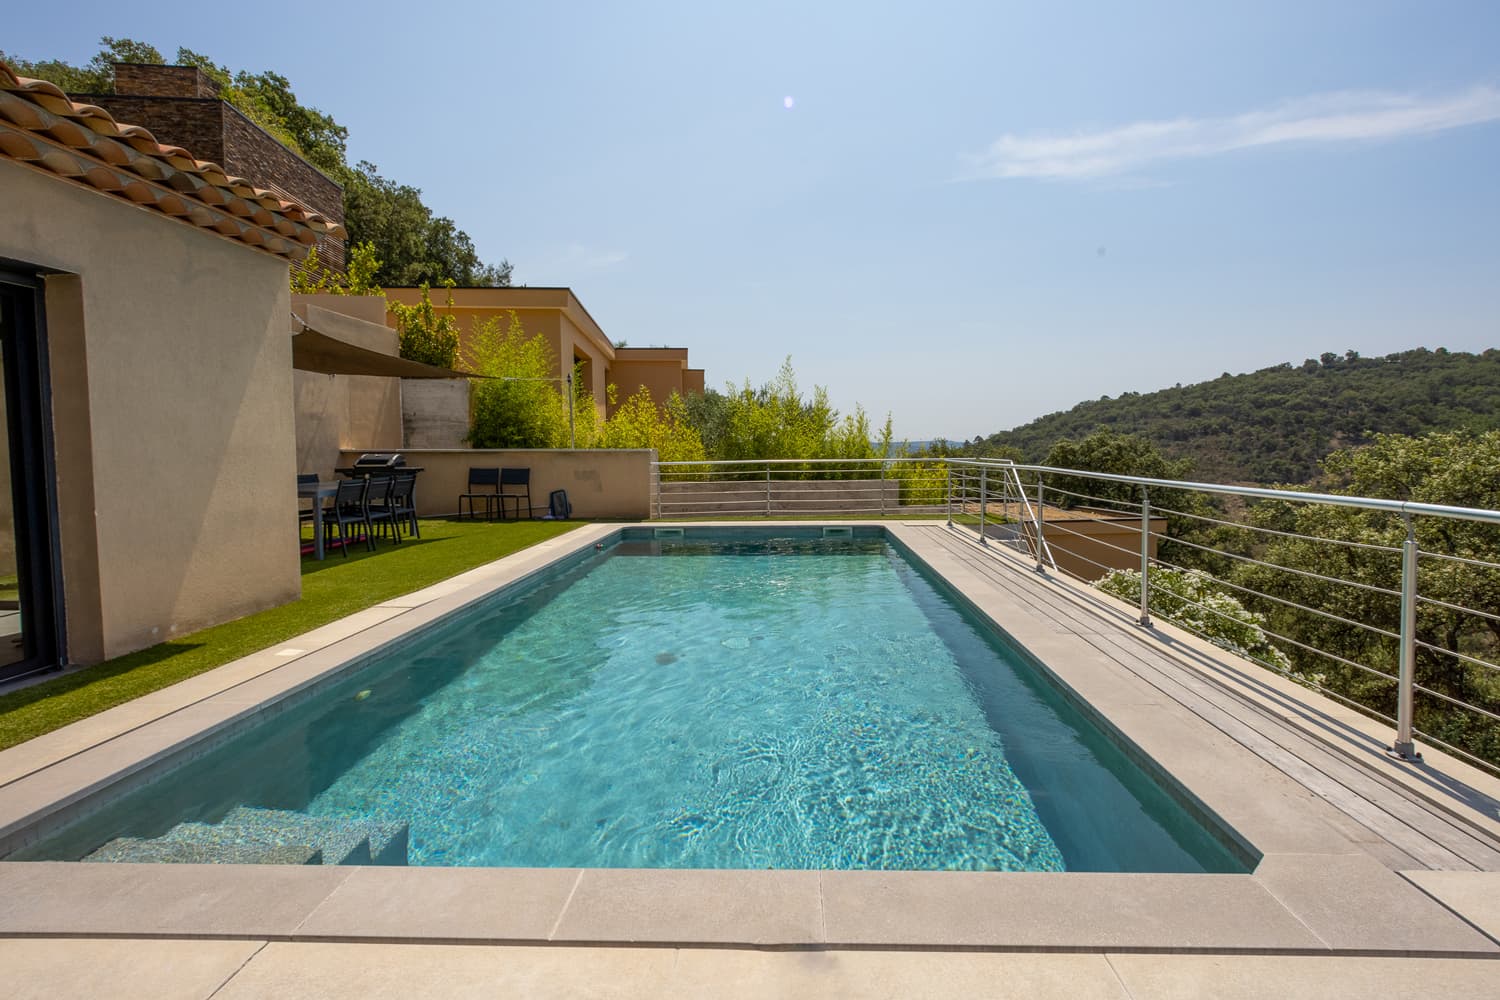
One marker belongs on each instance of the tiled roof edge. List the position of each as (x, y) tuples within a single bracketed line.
[(42, 127)]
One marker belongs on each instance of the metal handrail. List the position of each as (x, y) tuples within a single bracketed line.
[(1262, 493)]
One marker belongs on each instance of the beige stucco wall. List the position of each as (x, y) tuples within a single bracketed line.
[(336, 412), (601, 483), (659, 370), (1082, 546), (172, 415)]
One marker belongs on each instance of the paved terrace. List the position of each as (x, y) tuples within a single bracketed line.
[(1375, 877)]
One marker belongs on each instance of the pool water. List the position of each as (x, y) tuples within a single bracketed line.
[(790, 704)]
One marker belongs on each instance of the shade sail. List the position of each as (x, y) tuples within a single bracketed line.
[(318, 352)]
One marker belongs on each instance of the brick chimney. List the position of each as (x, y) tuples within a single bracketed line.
[(137, 80)]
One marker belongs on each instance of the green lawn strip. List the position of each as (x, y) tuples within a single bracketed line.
[(331, 590)]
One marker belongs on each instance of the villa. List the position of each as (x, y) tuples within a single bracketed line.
[(907, 752)]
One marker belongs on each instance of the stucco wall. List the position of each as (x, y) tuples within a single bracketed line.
[(1088, 548), (172, 413), (335, 412), (601, 483)]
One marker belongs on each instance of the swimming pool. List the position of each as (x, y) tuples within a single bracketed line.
[(723, 700)]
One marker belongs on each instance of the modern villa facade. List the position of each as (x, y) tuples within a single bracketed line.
[(149, 381)]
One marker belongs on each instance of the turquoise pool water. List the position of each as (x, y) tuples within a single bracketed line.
[(730, 704)]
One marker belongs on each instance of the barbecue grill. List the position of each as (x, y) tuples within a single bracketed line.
[(379, 460)]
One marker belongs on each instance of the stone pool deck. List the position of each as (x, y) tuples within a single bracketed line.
[(1375, 877)]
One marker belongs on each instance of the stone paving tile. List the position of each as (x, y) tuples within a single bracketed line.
[(1353, 902), (121, 969), (1080, 910), (907, 975), (452, 972), (447, 904), (1256, 977), (718, 907), (1475, 896), (42, 897)]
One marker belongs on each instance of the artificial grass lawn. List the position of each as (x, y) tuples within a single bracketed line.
[(331, 590)]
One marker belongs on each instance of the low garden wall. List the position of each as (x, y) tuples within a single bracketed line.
[(601, 483)]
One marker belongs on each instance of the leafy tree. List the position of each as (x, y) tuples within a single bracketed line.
[(1456, 468), (426, 336), (775, 421), (522, 404), (312, 278), (97, 76), (416, 247), (1276, 424), (639, 423), (1195, 601)]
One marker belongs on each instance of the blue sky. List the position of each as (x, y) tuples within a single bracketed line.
[(965, 215)]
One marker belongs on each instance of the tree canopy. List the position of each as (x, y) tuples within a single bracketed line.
[(1275, 425), (413, 245)]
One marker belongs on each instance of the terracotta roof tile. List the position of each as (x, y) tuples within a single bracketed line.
[(40, 126)]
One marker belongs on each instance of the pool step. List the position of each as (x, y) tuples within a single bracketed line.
[(268, 836)]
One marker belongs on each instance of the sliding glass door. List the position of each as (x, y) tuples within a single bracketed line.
[(29, 636)]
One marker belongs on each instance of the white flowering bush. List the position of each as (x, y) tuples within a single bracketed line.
[(1195, 601)]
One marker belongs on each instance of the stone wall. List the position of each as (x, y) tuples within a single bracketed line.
[(147, 80), (195, 124)]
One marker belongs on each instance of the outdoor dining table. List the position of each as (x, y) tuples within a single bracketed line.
[(318, 492)]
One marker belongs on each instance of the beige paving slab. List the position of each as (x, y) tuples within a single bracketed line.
[(1257, 977), (1475, 896), (445, 904), (1077, 910), (719, 907), (61, 969), (452, 972), (265, 901), (1353, 902), (875, 975)]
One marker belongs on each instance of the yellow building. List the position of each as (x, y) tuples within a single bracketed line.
[(572, 335)]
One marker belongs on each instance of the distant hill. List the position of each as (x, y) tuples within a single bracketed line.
[(1274, 425)]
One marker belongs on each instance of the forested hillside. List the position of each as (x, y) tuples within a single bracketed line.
[(1274, 425)]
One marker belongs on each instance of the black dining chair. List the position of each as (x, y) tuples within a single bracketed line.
[(378, 506), (310, 512), (349, 508), (479, 478), (512, 483), (404, 503)]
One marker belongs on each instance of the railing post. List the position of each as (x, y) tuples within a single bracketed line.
[(882, 489), (1145, 620), (950, 493), (768, 489), (984, 485), (1404, 748), (1037, 519)]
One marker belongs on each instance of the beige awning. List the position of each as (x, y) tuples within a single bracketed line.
[(313, 351)]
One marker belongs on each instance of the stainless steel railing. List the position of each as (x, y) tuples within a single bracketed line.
[(1358, 618), (1384, 613)]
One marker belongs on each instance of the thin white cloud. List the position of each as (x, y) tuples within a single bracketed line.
[(579, 257), (1350, 116)]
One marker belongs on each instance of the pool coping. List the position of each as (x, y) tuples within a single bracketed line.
[(1317, 889)]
